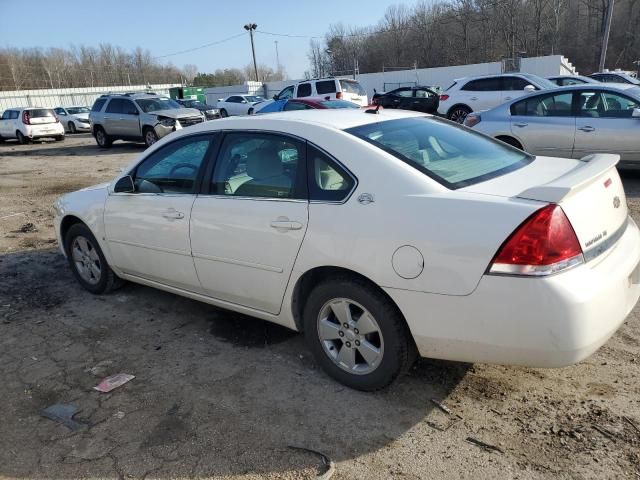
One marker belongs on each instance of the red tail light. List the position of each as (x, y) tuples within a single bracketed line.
[(339, 95), (57, 118), (25, 117), (472, 120), (543, 244), (444, 97)]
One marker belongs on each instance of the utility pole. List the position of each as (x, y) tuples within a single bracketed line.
[(250, 27), (277, 56), (605, 37)]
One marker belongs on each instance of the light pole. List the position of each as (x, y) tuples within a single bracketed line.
[(605, 37), (250, 27), (277, 56)]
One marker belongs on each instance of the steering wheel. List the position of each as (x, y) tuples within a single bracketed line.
[(183, 165)]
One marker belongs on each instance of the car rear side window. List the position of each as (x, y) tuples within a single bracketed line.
[(328, 181), (326, 86), (304, 90), (450, 154), (98, 104), (484, 85)]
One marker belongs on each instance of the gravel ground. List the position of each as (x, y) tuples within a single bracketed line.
[(219, 395)]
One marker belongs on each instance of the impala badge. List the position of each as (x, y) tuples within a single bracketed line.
[(616, 202)]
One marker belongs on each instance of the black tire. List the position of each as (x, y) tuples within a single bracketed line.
[(59, 138), (458, 113), (223, 113), (150, 136), (72, 127), (102, 139), (108, 280), (1, 139), (511, 141), (22, 140), (398, 351), (250, 111)]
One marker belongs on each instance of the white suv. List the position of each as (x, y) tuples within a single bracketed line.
[(470, 94), (28, 124), (328, 89)]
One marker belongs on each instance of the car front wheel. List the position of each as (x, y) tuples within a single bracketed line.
[(150, 137), (357, 334)]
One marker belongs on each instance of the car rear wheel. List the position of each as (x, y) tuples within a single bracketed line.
[(87, 261), (72, 127), (102, 139), (150, 137), (22, 140), (356, 334), (223, 113), (459, 113)]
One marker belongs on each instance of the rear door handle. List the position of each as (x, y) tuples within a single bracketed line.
[(283, 223), (507, 98), (520, 124), (587, 129), (473, 98), (172, 214)]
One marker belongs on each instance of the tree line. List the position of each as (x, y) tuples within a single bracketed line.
[(458, 32)]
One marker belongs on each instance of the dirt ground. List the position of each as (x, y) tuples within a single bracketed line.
[(219, 395)]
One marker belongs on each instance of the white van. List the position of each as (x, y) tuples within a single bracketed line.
[(327, 89)]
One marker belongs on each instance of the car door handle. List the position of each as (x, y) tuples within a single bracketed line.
[(473, 98), (520, 124), (172, 214), (507, 98), (285, 224), (587, 128)]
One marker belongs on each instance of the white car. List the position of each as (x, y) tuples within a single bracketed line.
[(472, 94), (238, 105), (27, 124), (378, 235), (74, 119)]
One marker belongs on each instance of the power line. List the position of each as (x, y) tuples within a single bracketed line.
[(217, 42)]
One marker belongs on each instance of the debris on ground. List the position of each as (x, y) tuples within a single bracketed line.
[(484, 445), (630, 422), (441, 406), (28, 228), (331, 467), (113, 382), (63, 413)]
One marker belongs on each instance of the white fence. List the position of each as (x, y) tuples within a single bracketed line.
[(66, 97)]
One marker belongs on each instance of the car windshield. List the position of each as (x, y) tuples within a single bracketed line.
[(541, 82), (154, 104), (450, 154), (338, 104), (629, 78), (254, 98), (351, 86), (76, 110)]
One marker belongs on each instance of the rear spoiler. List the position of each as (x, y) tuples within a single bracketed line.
[(572, 181)]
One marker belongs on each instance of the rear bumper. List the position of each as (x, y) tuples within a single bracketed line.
[(44, 131), (537, 322)]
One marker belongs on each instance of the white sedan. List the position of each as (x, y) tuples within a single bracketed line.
[(74, 119), (380, 236), (238, 105)]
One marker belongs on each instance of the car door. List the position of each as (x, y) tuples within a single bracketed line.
[(112, 115), (399, 98), (235, 105), (513, 87), (545, 124), (303, 90), (148, 230), (605, 125), (129, 119), (425, 100), (5, 124), (482, 93), (246, 233)]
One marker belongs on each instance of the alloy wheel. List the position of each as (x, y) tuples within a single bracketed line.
[(86, 260), (459, 115), (350, 336)]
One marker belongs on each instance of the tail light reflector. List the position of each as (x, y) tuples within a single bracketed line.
[(543, 244), (444, 97)]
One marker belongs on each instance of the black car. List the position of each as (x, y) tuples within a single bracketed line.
[(210, 112), (421, 99)]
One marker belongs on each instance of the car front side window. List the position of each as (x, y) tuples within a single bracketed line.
[(261, 166), (604, 104), (174, 168)]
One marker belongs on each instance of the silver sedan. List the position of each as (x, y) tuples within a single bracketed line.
[(569, 121)]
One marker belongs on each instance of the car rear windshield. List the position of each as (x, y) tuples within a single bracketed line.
[(351, 86), (338, 104), (41, 113), (154, 104), (454, 156)]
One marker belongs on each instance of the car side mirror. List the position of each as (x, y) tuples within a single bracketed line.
[(124, 185), (636, 113), (529, 88), (275, 97)]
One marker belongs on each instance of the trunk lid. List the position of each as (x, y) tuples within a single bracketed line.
[(589, 191), (39, 116)]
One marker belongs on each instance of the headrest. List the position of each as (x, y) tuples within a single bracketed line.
[(264, 163)]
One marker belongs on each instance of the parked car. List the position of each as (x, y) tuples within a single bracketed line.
[(74, 119), (327, 88), (564, 80), (27, 124), (420, 99), (569, 122), (308, 219), (239, 105), (210, 112), (615, 77), (471, 94), (305, 104), (138, 117)]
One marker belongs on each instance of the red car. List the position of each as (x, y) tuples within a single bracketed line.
[(305, 104)]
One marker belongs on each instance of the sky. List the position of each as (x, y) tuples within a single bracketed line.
[(168, 26)]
